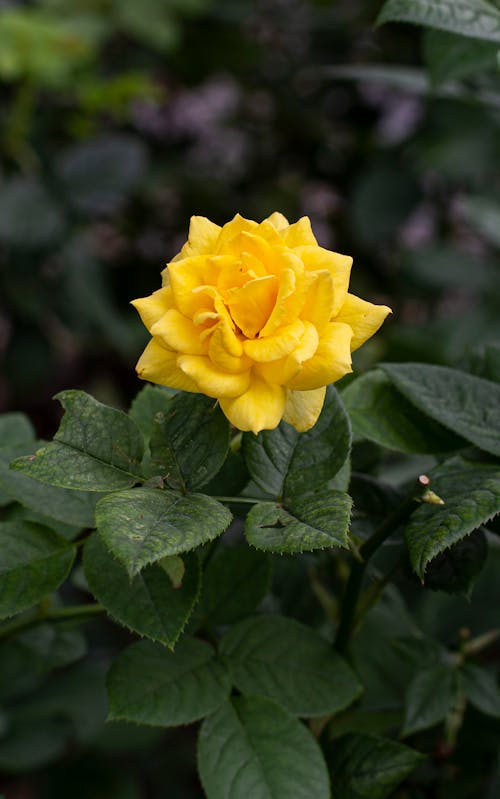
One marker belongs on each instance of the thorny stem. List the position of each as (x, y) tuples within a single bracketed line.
[(349, 616), (43, 614)]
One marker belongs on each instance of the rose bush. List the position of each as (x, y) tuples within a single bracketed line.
[(257, 316)]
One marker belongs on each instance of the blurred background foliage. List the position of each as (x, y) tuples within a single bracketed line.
[(118, 120)]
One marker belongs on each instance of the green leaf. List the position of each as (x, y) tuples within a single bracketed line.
[(430, 696), (149, 684), (149, 401), (96, 448), (316, 522), (379, 413), (467, 405), (35, 561), (471, 493), (477, 18), (142, 525), (253, 748), (71, 507), (15, 428), (456, 570), (189, 442), (367, 766), (235, 581), (147, 604), (285, 463), (482, 689), (288, 662), (452, 57)]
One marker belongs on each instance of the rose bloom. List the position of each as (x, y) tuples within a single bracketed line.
[(257, 316)]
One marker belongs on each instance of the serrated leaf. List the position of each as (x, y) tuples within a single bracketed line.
[(66, 505), (285, 463), (368, 767), (35, 561), (96, 448), (477, 18), (147, 604), (456, 570), (288, 662), (142, 525), (149, 401), (316, 522), (430, 696), (235, 581), (149, 684), (189, 442), (467, 405), (452, 57), (471, 494), (381, 414), (482, 689), (253, 748)]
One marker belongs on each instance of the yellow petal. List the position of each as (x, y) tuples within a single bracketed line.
[(159, 365), (278, 221), (153, 307), (202, 238), (232, 229), (247, 241), (284, 369), (259, 408), (281, 343), (303, 408), (331, 361), (179, 333), (300, 234), (186, 277), (293, 290), (213, 381), (226, 350), (364, 318), (319, 301), (268, 232), (317, 259), (251, 304)]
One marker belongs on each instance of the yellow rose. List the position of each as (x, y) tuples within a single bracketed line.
[(257, 316)]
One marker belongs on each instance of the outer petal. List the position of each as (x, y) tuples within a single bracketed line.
[(282, 343), (203, 235), (339, 266), (331, 361), (159, 365), (303, 408), (364, 318), (153, 307), (319, 300), (179, 333), (259, 408), (300, 233), (213, 381), (278, 221), (233, 228)]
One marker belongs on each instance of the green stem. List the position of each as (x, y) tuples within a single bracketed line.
[(349, 616), (41, 615)]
